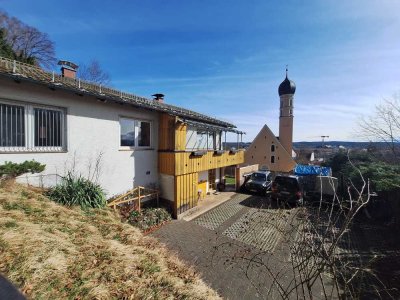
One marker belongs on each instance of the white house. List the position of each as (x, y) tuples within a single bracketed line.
[(71, 125)]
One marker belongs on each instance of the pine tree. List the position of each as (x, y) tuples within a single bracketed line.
[(5, 48)]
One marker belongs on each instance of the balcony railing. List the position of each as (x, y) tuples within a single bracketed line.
[(179, 163)]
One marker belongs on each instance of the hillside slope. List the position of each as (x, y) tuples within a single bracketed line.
[(53, 252)]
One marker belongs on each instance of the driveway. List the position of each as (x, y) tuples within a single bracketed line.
[(235, 246)]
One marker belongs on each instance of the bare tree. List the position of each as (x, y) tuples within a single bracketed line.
[(93, 72), (384, 125), (29, 44)]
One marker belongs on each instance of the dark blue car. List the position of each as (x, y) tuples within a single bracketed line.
[(259, 182)]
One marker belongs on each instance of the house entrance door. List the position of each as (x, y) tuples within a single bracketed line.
[(211, 179)]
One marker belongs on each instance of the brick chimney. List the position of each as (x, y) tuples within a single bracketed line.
[(68, 69), (158, 97)]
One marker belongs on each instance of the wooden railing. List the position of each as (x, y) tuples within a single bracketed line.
[(134, 195)]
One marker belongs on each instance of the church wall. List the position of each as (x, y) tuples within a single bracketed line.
[(260, 152)]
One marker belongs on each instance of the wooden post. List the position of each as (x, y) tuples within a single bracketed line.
[(225, 142), (237, 178)]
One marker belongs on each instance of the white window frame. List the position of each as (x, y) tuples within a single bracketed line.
[(29, 117), (136, 134)]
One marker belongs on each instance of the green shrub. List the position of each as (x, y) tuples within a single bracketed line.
[(76, 190), (148, 217), (11, 169)]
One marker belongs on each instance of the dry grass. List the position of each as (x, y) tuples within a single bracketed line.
[(53, 252)]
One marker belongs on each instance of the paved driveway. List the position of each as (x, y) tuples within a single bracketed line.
[(235, 246), (240, 246)]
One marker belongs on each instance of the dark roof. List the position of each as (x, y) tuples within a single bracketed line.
[(287, 87), (24, 72)]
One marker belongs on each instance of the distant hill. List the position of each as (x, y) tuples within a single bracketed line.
[(335, 144), (318, 144)]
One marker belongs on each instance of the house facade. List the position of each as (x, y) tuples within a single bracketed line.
[(118, 139), (191, 160)]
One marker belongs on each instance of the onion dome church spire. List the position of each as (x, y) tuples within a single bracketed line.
[(287, 87), (286, 92)]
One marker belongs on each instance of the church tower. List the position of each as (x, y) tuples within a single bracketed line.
[(286, 94)]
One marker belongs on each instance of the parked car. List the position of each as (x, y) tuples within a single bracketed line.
[(259, 182), (288, 189)]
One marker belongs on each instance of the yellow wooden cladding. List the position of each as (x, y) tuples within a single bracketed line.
[(179, 163), (185, 192), (172, 134), (166, 163), (180, 136), (166, 133)]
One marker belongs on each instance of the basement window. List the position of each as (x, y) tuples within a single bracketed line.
[(28, 127), (134, 133)]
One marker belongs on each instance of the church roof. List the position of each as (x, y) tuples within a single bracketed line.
[(287, 87)]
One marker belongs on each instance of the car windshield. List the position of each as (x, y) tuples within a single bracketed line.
[(287, 181), (258, 176)]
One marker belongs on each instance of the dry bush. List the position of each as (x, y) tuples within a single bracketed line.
[(53, 252)]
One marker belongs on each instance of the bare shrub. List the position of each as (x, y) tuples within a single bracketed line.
[(318, 255)]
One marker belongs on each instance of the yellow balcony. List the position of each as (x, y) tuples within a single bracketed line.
[(179, 163)]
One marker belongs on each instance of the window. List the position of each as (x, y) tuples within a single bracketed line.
[(134, 133), (127, 132), (272, 148), (29, 127), (144, 134), (12, 120), (47, 130), (258, 176), (272, 159)]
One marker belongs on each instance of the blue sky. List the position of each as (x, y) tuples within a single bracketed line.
[(227, 58)]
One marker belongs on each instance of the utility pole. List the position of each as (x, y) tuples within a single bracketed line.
[(323, 139)]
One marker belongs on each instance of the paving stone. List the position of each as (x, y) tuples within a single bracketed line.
[(259, 228), (216, 217)]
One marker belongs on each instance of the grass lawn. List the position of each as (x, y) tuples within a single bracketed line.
[(53, 252), (229, 180)]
